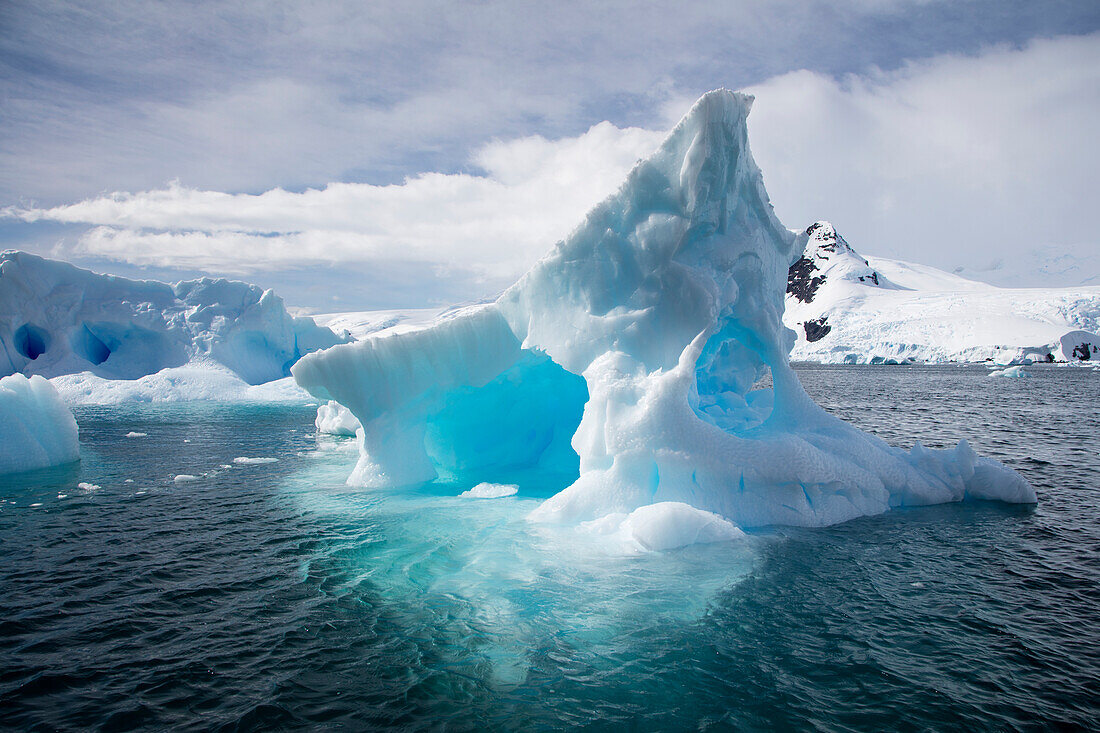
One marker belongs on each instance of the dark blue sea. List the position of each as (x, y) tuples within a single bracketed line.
[(269, 596)]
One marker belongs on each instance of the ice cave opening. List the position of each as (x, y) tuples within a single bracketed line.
[(518, 426), (90, 347), (31, 341), (125, 351), (733, 383)]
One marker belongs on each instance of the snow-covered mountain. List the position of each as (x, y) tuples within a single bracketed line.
[(58, 319), (848, 308)]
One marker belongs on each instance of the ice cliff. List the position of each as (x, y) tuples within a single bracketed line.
[(59, 319), (36, 428), (633, 361)]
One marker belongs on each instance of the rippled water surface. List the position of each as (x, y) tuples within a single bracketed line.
[(268, 595)]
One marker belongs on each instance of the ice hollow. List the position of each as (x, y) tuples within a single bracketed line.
[(634, 358)]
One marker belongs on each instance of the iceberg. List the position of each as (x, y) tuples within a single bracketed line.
[(643, 360), (58, 319), (37, 429)]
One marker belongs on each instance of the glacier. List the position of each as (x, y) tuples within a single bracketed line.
[(37, 429), (844, 307), (58, 319), (643, 362)]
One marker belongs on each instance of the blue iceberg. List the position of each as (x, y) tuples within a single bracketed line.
[(645, 361)]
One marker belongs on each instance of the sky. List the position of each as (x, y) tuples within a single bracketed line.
[(404, 154)]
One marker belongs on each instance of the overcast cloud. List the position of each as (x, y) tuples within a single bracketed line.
[(445, 147)]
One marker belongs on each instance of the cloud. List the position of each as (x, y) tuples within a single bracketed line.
[(532, 192), (982, 163), (961, 162), (250, 95)]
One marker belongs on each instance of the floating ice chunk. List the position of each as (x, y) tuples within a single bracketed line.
[(132, 434), (489, 491), (128, 481), (633, 358), (37, 503), (36, 428), (88, 486), (335, 419), (1016, 372), (62, 496), (665, 526), (253, 461), (185, 477)]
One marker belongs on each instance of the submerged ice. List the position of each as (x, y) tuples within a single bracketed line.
[(643, 361)]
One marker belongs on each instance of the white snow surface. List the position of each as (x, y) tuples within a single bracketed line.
[(627, 358), (37, 429), (360, 324), (202, 381), (918, 313), (58, 319)]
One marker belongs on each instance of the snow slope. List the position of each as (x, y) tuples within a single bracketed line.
[(36, 428), (628, 361), (846, 308), (195, 381), (59, 319)]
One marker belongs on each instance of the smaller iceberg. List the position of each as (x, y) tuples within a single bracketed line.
[(1014, 372), (58, 319), (37, 429)]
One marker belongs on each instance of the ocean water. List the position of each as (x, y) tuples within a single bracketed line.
[(271, 596)]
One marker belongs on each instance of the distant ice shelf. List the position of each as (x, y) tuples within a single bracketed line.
[(632, 361)]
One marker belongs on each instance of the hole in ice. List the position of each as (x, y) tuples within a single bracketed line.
[(517, 429), (90, 347), (733, 383), (31, 341)]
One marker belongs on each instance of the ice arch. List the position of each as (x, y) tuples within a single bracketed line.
[(667, 300)]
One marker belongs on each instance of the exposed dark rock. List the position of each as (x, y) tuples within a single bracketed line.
[(873, 277), (1082, 352), (801, 281), (816, 329)]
